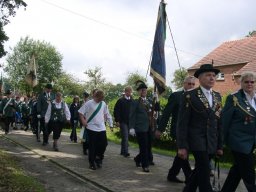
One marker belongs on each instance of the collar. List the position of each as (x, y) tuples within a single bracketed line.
[(128, 98), (206, 90), (249, 96)]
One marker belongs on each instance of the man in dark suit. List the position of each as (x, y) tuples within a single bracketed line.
[(140, 119), (42, 104), (199, 128), (171, 110), (121, 114)]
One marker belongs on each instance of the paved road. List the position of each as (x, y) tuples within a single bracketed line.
[(117, 174)]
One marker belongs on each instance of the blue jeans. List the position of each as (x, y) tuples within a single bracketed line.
[(124, 135)]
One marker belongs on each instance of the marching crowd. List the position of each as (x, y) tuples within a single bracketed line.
[(200, 126)]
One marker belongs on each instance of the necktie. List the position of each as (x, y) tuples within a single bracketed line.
[(209, 97)]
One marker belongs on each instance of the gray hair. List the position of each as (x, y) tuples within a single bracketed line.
[(248, 74), (189, 78)]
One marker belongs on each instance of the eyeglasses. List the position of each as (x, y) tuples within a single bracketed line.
[(191, 83), (247, 82)]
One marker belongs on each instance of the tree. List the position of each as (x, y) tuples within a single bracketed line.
[(133, 77), (179, 77), (68, 85), (251, 33), (47, 58), (96, 79), (7, 8)]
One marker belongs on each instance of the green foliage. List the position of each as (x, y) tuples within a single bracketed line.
[(96, 79), (251, 33), (68, 100), (179, 76), (7, 9), (48, 61), (111, 105), (133, 77), (67, 84)]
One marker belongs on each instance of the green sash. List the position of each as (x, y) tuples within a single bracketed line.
[(85, 137)]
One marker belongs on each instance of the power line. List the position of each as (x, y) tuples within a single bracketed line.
[(125, 31)]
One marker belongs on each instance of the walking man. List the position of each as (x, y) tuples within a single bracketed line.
[(199, 128), (171, 110), (121, 114), (42, 104)]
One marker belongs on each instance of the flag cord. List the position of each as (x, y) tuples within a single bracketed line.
[(173, 42), (149, 63)]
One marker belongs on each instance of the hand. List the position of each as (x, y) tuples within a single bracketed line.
[(68, 122), (132, 132), (158, 134), (183, 154), (39, 116), (219, 152)]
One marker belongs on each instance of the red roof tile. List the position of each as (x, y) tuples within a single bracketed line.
[(231, 53)]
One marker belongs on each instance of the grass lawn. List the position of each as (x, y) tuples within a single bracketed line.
[(13, 178)]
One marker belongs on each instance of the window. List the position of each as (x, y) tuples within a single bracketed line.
[(220, 76)]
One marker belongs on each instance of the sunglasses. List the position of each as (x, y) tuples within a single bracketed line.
[(247, 82), (191, 83)]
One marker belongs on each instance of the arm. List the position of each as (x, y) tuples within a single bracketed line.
[(226, 116), (117, 111), (108, 116), (82, 117), (182, 126), (67, 112), (132, 115)]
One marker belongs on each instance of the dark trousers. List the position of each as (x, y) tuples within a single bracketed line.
[(200, 176), (25, 122), (44, 128), (97, 145), (55, 127), (124, 135), (145, 155), (7, 121), (242, 168), (74, 125), (178, 164)]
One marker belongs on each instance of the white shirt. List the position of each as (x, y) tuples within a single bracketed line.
[(98, 122), (208, 95), (251, 100), (58, 106)]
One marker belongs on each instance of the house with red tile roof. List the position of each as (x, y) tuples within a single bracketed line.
[(231, 58)]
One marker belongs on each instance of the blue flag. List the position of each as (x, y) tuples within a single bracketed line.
[(157, 69)]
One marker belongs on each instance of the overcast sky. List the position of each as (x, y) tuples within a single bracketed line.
[(117, 35)]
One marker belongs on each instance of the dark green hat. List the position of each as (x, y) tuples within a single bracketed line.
[(48, 86), (140, 85), (85, 94), (206, 68)]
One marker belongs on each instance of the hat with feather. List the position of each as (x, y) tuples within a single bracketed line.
[(140, 85)]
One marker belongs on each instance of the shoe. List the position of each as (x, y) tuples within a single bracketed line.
[(174, 180), (45, 143), (38, 140), (145, 169), (6, 132), (75, 141), (56, 149), (151, 163), (92, 167), (127, 155), (137, 163), (85, 152)]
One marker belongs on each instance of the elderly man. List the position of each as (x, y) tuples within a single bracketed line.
[(172, 109), (199, 129)]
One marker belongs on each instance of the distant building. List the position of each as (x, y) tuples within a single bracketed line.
[(231, 58)]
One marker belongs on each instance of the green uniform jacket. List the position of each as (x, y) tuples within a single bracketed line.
[(239, 123), (198, 127), (9, 109), (139, 119), (171, 110), (42, 103)]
